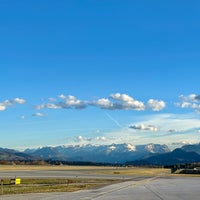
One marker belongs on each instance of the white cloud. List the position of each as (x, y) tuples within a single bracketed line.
[(67, 103), (72, 101), (104, 103), (7, 103), (62, 96), (38, 114), (48, 105), (181, 143), (122, 97), (88, 140), (191, 101), (103, 138), (81, 138), (178, 122), (143, 127), (156, 105), (119, 101), (19, 101), (2, 107), (115, 101), (126, 102)]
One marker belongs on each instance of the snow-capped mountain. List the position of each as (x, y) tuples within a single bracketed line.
[(114, 153)]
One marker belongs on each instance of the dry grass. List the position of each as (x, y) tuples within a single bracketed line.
[(52, 185), (136, 171)]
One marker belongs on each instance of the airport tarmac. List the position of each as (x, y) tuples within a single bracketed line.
[(157, 188)]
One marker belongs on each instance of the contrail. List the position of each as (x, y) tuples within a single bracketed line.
[(115, 121)]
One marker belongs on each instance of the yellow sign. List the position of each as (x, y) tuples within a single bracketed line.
[(17, 181)]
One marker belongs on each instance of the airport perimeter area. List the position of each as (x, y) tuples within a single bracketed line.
[(125, 183)]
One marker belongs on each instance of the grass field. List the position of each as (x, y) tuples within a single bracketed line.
[(52, 185), (137, 171)]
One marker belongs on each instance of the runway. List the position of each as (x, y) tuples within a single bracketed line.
[(60, 174), (158, 188)]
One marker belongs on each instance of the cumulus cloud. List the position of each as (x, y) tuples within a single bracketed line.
[(143, 127), (126, 102), (119, 101), (115, 101), (156, 105), (190, 101), (7, 103), (104, 104), (67, 103), (72, 102)]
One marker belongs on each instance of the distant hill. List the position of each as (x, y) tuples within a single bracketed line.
[(178, 156), (192, 148), (12, 155)]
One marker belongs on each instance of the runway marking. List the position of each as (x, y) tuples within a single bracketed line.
[(142, 182), (155, 193), (137, 183)]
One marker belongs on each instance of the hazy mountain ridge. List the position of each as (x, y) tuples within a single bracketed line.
[(13, 155), (191, 148), (178, 156), (114, 153)]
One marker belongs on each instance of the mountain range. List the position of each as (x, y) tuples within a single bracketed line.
[(149, 154), (114, 153)]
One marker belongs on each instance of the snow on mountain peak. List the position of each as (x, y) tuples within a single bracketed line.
[(112, 148), (150, 148), (131, 147)]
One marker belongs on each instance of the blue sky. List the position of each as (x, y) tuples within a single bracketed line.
[(99, 72)]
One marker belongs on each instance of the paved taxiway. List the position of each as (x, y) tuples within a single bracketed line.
[(159, 188)]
